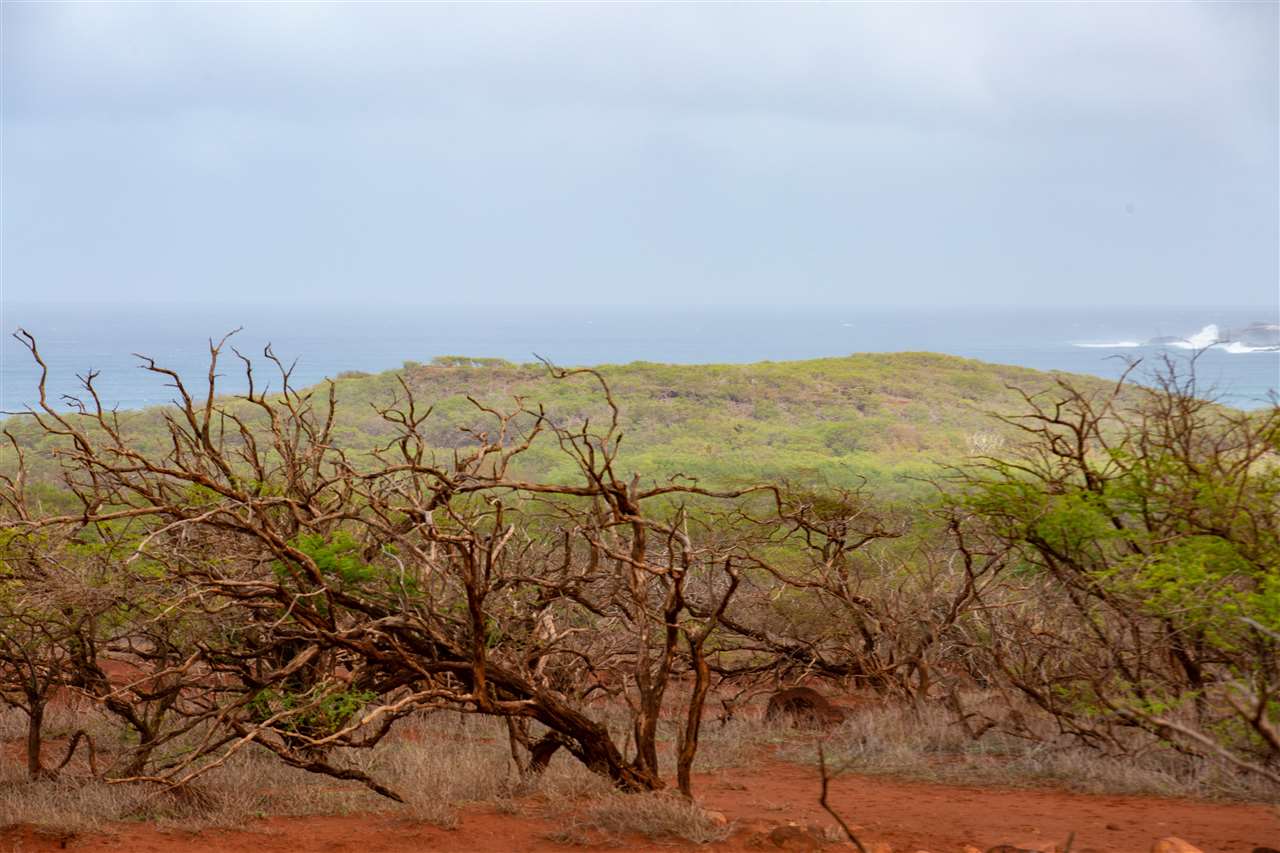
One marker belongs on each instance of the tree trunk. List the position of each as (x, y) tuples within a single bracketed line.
[(693, 722), (35, 722)]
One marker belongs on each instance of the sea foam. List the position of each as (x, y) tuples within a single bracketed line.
[(1238, 348), (1206, 337)]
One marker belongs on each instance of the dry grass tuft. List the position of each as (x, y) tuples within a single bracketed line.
[(616, 818), (927, 744), (65, 807), (438, 762), (443, 760)]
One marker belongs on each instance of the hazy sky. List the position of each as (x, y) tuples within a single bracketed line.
[(1112, 153)]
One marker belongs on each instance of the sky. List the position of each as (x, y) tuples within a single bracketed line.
[(658, 154)]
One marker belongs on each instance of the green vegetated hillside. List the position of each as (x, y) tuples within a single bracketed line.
[(882, 419)]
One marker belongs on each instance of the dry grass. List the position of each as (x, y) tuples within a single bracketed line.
[(615, 817), (247, 787), (438, 762), (442, 761), (736, 743), (67, 807), (927, 744)]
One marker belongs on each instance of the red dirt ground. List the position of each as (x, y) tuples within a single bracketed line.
[(909, 816)]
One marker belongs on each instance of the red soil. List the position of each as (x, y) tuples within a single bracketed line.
[(907, 815)]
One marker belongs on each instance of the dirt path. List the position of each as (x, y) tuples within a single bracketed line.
[(943, 818), (909, 816)]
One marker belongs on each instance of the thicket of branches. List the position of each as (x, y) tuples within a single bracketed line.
[(1139, 533), (249, 585)]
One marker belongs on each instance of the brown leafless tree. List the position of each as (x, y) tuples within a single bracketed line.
[(303, 600)]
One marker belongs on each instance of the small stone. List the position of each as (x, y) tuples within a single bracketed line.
[(1174, 844), (718, 818), (1039, 846), (969, 848), (1025, 847), (793, 837)]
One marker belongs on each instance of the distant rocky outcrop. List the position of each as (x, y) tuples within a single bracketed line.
[(1255, 335)]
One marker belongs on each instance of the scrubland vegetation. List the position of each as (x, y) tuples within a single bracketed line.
[(517, 584), (881, 420)]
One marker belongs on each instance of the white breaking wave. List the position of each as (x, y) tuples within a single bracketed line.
[(1206, 337), (1209, 336), (1111, 345), (1237, 348)]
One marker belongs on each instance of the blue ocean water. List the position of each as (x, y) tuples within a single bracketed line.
[(326, 340)]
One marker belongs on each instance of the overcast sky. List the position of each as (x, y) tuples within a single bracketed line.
[(1030, 153)]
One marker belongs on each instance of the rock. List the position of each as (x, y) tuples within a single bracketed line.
[(1025, 847), (969, 848), (793, 837), (718, 818), (805, 706), (1264, 335), (1174, 844)]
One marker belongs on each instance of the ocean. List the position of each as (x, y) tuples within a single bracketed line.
[(327, 340)]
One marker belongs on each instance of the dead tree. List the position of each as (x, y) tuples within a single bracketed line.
[(851, 591), (325, 596)]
